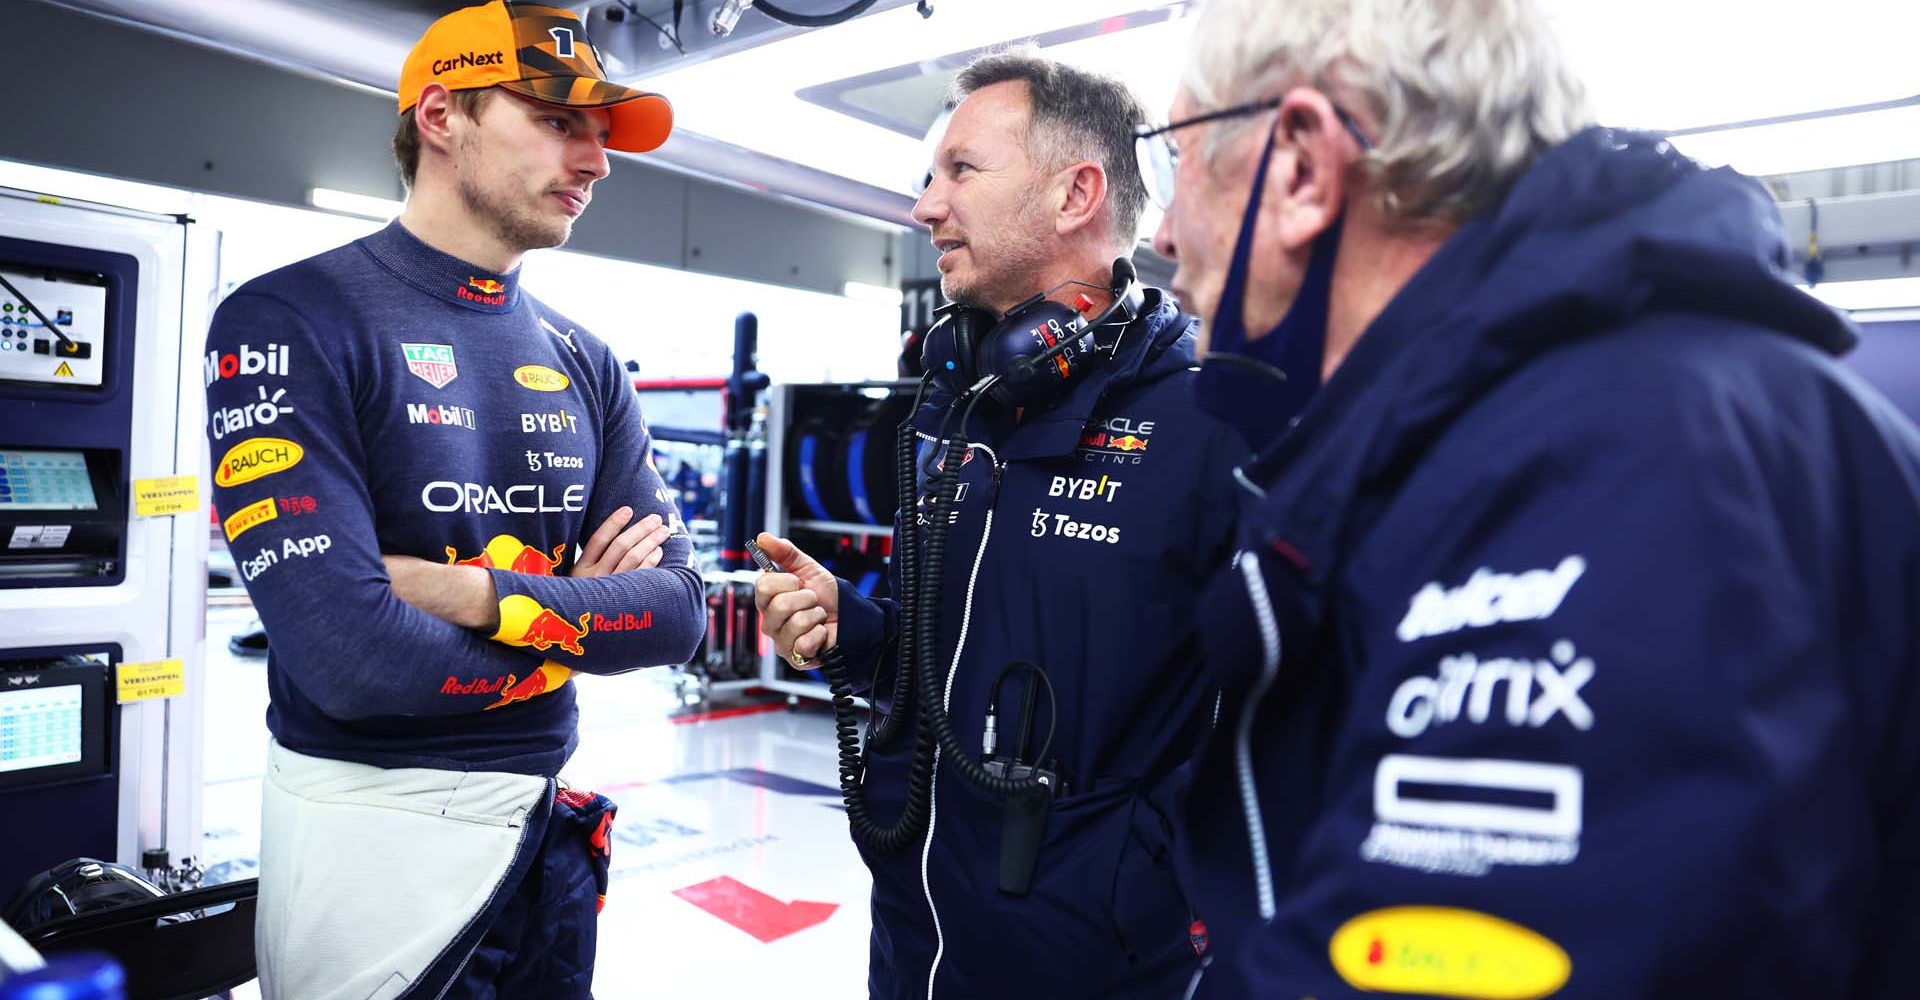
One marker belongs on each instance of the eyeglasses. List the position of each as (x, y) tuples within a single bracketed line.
[(1159, 155)]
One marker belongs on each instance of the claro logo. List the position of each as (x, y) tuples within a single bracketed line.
[(256, 458)]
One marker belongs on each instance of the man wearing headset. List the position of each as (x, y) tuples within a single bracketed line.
[(1081, 524), (1571, 648)]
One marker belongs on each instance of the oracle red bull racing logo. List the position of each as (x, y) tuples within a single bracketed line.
[(1116, 440), (513, 555), (526, 622)]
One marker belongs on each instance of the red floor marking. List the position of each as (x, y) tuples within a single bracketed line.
[(754, 911), (726, 713)]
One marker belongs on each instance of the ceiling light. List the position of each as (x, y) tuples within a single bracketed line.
[(1813, 144), (1879, 293), (348, 203), (872, 293), (735, 100)]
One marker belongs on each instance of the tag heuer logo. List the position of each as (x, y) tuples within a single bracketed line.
[(433, 362)]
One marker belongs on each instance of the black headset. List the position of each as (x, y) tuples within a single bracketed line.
[(1034, 353)]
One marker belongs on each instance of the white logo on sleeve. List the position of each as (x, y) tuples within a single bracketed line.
[(1467, 686), (1489, 598)]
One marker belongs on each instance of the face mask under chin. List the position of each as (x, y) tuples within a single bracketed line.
[(1259, 385)]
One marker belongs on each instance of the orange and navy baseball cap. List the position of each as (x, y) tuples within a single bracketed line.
[(538, 52)]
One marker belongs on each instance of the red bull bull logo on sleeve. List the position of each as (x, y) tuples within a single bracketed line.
[(511, 554), (525, 622), (545, 680)]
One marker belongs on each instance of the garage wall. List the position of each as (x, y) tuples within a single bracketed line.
[(109, 99)]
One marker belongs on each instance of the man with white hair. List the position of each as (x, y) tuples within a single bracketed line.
[(1573, 628)]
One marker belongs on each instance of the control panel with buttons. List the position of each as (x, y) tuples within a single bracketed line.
[(69, 351)]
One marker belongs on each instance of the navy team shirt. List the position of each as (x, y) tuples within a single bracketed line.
[(385, 397)]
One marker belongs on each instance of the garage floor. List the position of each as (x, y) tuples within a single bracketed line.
[(732, 872)]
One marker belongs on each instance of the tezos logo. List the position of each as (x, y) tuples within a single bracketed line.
[(1064, 526), (537, 460)]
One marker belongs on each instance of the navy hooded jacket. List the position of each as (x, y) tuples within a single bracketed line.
[(1081, 542), (1571, 648)]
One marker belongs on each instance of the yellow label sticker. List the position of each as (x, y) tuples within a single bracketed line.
[(1441, 951), (159, 679), (256, 458), (166, 495), (251, 516), (64, 371), (540, 378)]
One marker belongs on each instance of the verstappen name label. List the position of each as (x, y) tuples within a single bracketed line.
[(165, 496), (142, 681)]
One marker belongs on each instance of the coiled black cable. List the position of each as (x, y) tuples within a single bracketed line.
[(923, 706), (846, 723), (888, 726), (847, 13), (945, 491)]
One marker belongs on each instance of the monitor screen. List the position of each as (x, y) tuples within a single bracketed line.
[(45, 480), (40, 727)]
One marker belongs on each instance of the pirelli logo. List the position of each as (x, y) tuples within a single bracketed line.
[(251, 516)]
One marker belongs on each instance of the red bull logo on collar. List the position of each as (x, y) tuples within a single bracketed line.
[(511, 554), (526, 622), (485, 291)]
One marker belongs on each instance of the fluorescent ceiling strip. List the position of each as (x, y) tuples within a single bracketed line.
[(1879, 293), (354, 204), (748, 98), (872, 293), (1815, 144)]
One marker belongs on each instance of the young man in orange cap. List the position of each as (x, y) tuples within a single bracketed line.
[(420, 582)]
